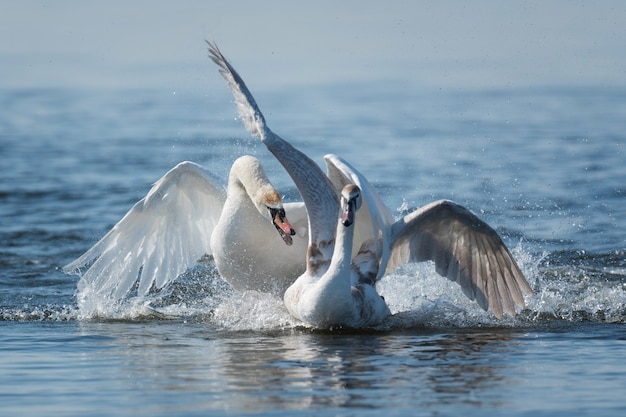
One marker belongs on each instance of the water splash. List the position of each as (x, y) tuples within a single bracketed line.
[(48, 312), (577, 286), (570, 286)]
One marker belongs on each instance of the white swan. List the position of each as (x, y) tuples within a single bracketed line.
[(187, 214), (464, 248), (343, 294)]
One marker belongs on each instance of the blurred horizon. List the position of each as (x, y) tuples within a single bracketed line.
[(443, 45)]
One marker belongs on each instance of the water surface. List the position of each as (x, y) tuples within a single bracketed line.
[(544, 166)]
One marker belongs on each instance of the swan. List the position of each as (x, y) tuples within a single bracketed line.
[(343, 294), (189, 213), (464, 248)]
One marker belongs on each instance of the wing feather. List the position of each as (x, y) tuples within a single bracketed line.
[(247, 108), (160, 237), (465, 249)]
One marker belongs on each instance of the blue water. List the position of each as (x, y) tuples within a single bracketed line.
[(544, 166)]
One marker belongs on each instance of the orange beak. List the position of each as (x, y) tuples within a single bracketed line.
[(285, 229)]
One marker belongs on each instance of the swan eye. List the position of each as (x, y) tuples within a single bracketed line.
[(351, 192)]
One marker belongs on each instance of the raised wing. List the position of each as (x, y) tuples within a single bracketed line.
[(373, 219), (465, 249), (318, 194), (163, 235), (247, 108)]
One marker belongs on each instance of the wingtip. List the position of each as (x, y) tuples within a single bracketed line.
[(216, 55), (73, 268), (212, 45), (218, 58)]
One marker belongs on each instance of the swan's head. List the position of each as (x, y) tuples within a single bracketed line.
[(274, 206), (247, 174), (350, 203), (279, 219)]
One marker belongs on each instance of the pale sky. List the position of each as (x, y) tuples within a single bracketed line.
[(448, 44)]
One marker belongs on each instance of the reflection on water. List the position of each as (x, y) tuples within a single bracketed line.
[(298, 370)]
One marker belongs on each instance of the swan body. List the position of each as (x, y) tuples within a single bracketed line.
[(189, 213), (464, 248), (245, 248), (339, 296)]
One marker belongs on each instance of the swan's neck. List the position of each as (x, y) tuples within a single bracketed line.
[(247, 183), (342, 257)]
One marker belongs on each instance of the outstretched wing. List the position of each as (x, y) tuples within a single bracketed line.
[(318, 194), (247, 108), (164, 234), (465, 249), (373, 219)]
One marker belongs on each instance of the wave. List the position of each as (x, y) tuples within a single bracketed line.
[(571, 286)]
